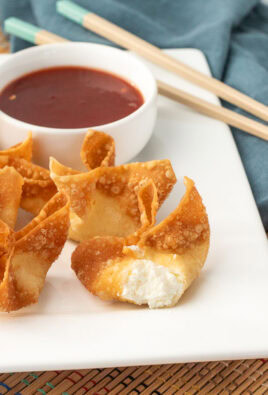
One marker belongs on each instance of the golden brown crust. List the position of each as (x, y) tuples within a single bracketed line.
[(10, 194), (7, 240), (60, 169), (113, 181), (148, 202), (53, 207), (38, 187), (90, 258), (46, 237), (35, 194), (101, 267), (8, 292), (92, 193), (148, 205), (35, 249), (180, 243), (98, 150), (184, 228), (22, 150), (27, 169)]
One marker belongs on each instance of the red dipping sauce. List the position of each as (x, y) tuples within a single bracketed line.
[(69, 97)]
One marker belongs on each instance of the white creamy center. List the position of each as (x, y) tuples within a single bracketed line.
[(152, 284)]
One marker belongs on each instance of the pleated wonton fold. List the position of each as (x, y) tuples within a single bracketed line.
[(98, 150), (38, 187), (26, 256), (159, 268), (21, 150), (106, 200), (11, 184)]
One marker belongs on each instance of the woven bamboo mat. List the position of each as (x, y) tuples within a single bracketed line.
[(223, 377), (230, 377)]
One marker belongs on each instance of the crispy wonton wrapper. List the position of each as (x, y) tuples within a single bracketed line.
[(26, 256), (98, 150), (22, 150), (107, 200), (38, 187), (11, 184), (156, 271)]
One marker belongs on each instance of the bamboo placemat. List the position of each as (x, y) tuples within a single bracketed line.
[(223, 377)]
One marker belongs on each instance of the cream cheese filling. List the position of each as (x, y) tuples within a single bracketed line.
[(152, 284)]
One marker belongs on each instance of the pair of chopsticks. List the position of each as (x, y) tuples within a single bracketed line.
[(129, 41)]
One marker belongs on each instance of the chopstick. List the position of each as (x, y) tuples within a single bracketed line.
[(36, 35), (154, 54), (30, 32), (214, 111)]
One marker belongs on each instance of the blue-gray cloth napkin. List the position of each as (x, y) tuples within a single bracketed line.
[(233, 34)]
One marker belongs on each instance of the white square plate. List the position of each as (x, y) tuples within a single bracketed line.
[(222, 316)]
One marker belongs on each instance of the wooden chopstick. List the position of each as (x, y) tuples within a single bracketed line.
[(39, 36), (154, 54), (214, 111)]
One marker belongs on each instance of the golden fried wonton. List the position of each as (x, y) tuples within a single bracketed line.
[(26, 256), (21, 150), (98, 150), (148, 205), (10, 194), (156, 271), (105, 201), (38, 187)]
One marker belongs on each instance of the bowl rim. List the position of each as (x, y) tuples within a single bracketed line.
[(50, 130)]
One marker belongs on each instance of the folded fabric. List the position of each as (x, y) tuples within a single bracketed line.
[(232, 34)]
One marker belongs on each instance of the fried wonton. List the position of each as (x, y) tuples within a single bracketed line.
[(98, 150), (105, 201), (11, 184), (148, 206), (159, 268), (7, 239), (26, 256), (21, 150), (38, 187)]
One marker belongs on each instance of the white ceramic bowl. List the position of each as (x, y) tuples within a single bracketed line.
[(130, 133)]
